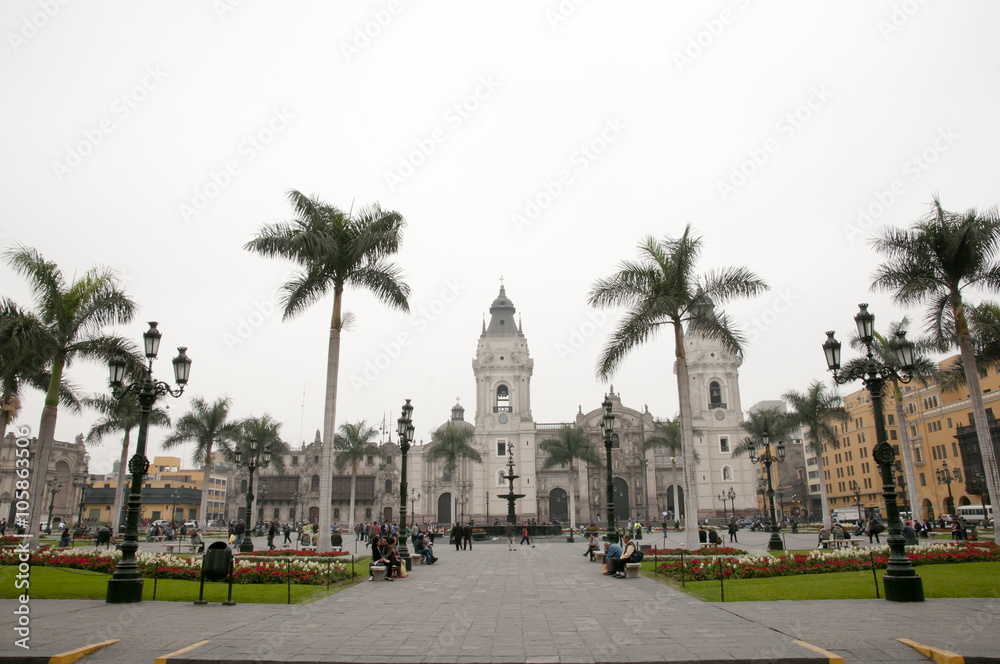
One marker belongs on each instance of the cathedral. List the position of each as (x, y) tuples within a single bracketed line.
[(646, 484)]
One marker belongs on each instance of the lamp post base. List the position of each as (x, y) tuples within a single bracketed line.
[(903, 588), (129, 591), (774, 544), (246, 546)]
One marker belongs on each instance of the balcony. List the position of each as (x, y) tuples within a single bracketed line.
[(502, 409)]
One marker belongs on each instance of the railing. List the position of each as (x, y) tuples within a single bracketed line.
[(503, 409)]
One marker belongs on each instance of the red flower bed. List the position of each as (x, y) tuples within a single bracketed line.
[(294, 552), (704, 551)]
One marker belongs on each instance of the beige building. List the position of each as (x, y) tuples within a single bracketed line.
[(68, 466)]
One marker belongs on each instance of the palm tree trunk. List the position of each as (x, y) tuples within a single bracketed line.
[(824, 505), (43, 450), (912, 495), (207, 479), (329, 424), (354, 480), (687, 441), (677, 511), (116, 508), (979, 415), (572, 502)]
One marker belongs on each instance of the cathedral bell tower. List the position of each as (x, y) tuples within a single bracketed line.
[(502, 368)]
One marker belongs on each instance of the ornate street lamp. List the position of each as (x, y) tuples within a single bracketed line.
[(781, 503), (943, 477), (414, 497), (83, 485), (404, 427), (901, 582), (55, 487), (607, 425), (768, 458), (258, 458), (723, 498), (856, 490), (901, 482), (125, 585), (731, 495)]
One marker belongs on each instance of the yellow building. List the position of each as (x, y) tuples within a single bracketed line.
[(932, 418)]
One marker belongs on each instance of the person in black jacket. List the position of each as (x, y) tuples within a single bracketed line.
[(467, 536)]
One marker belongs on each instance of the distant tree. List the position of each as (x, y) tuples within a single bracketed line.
[(571, 444), (450, 444), (350, 447), (265, 432)]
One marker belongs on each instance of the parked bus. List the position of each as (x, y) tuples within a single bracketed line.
[(975, 513)]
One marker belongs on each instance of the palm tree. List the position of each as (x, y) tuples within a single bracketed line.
[(571, 444), (769, 424), (451, 443), (265, 433), (663, 289), (667, 434), (984, 323), (120, 415), (22, 362), (351, 446), (334, 250), (73, 318), (206, 424), (817, 411), (923, 369), (944, 254)]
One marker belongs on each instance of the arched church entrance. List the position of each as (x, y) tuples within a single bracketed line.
[(621, 499), (673, 508), (558, 506), (313, 515), (444, 508)]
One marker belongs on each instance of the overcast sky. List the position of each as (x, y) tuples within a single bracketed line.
[(537, 141)]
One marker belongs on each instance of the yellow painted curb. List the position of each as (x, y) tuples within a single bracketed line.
[(73, 655), (834, 659), (163, 658), (937, 654)]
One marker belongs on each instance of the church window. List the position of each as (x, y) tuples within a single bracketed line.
[(368, 513), (724, 444), (615, 442), (388, 460), (371, 460), (388, 486), (715, 395), (501, 448), (503, 400), (336, 513), (446, 474), (314, 483)]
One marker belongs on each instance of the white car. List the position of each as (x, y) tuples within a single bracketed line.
[(190, 524)]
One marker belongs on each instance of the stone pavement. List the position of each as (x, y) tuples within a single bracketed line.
[(542, 604)]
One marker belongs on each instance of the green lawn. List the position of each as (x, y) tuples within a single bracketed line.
[(62, 583), (951, 580)]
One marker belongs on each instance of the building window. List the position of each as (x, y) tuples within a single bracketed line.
[(276, 514), (892, 434), (724, 444), (314, 483), (295, 461), (501, 448), (388, 460), (370, 460), (715, 395), (615, 442), (388, 486), (954, 449), (336, 513), (923, 480), (446, 473), (368, 513), (503, 400)]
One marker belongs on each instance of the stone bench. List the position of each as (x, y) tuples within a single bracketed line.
[(598, 556), (632, 570), (378, 573), (156, 538), (181, 547), (852, 543)]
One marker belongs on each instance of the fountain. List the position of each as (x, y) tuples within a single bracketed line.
[(511, 496)]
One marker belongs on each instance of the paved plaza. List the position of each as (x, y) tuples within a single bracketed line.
[(540, 604)]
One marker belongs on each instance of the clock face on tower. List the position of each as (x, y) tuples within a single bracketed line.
[(719, 415), (502, 418)]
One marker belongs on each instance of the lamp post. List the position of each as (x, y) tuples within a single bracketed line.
[(781, 504), (768, 458), (856, 490), (943, 477), (607, 424), (404, 427), (84, 485), (487, 508), (901, 582), (723, 497), (257, 458), (260, 501), (901, 482), (54, 488), (731, 496), (296, 498), (645, 462), (125, 585), (414, 497), (173, 507), (762, 490)]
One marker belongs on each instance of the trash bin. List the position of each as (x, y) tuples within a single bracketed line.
[(702, 536), (215, 564), (103, 536), (337, 540)]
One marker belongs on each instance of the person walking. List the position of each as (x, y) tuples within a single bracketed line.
[(732, 532), (272, 531), (509, 532), (872, 529), (467, 536), (457, 531), (525, 535), (239, 531)]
